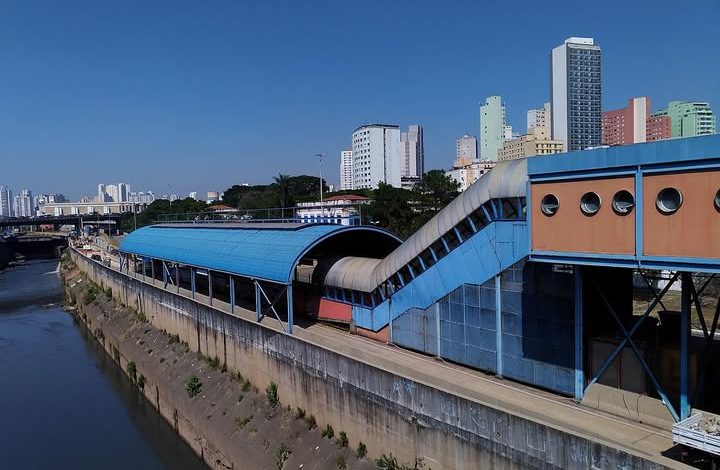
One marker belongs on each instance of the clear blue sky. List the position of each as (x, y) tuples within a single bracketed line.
[(204, 94)]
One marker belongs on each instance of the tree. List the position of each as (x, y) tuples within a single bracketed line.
[(282, 185), (390, 208), (436, 190)]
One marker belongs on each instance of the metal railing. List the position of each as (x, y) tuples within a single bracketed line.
[(345, 214)]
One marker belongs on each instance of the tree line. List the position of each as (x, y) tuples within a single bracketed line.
[(400, 210)]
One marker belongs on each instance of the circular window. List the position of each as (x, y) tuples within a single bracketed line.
[(669, 200), (623, 202), (549, 204), (590, 203), (717, 200)]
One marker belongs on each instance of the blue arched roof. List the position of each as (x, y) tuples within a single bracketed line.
[(259, 251)]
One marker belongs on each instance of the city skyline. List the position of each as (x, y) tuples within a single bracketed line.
[(160, 117)]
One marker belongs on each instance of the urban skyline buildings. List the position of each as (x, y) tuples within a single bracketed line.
[(24, 204), (413, 152), (541, 117), (346, 170), (377, 156), (6, 202), (576, 94), (689, 118), (492, 128), (465, 150)]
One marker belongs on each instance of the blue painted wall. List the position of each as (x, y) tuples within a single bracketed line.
[(536, 319)]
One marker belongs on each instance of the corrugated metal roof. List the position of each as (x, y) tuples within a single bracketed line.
[(264, 253)]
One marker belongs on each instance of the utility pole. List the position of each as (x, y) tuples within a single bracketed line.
[(322, 209)]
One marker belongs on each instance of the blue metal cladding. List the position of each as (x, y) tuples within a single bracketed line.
[(485, 254), (672, 151), (261, 253)]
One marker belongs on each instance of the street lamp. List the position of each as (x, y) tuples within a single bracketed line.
[(322, 209)]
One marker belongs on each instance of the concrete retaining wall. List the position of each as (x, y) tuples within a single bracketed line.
[(388, 412)]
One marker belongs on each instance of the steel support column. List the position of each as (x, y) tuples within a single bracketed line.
[(579, 337), (165, 276), (209, 285), (177, 277), (144, 268), (258, 301), (232, 295), (290, 307), (498, 327), (152, 269), (684, 345), (193, 287)]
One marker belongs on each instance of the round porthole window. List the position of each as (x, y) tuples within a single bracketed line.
[(623, 202), (669, 200), (549, 204), (590, 203), (717, 200)]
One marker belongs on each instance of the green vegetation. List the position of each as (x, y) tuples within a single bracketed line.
[(272, 394), (400, 210), (389, 462), (361, 450), (99, 334), (283, 455), (174, 339), (90, 295), (341, 463), (108, 293), (214, 362), (141, 382), (328, 432), (343, 439), (310, 422), (116, 354), (247, 385), (241, 423), (193, 386), (132, 370), (300, 413)]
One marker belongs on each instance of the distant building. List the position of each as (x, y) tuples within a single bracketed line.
[(465, 150), (413, 151), (346, 170), (633, 124), (537, 142), (193, 195), (539, 118), (576, 94), (468, 174), (689, 118), (658, 128), (507, 133), (6, 202), (377, 156), (343, 209), (87, 207), (113, 192), (492, 128), (141, 196), (213, 196), (101, 194), (24, 206)]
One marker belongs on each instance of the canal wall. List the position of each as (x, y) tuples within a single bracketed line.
[(388, 412)]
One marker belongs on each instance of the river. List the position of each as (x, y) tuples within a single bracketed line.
[(63, 402)]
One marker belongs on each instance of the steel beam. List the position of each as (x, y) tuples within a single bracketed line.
[(685, 296), (193, 286), (210, 281), (290, 307), (232, 295), (498, 327), (258, 301), (579, 336)]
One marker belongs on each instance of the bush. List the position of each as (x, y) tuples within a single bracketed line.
[(89, 296), (300, 413), (272, 394), (99, 334), (193, 386), (343, 439), (214, 362), (388, 462), (174, 339), (109, 293), (132, 370), (141, 382), (311, 423), (341, 462), (241, 423), (247, 385), (283, 454), (361, 450), (328, 432)]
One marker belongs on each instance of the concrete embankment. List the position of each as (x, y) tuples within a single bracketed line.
[(230, 421), (388, 412)]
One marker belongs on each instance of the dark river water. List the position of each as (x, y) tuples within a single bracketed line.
[(63, 403)]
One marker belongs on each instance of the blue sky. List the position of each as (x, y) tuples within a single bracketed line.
[(204, 94)]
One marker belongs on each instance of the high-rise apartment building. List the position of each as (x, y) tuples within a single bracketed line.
[(101, 194), (6, 202), (465, 150), (539, 118), (492, 128), (24, 206), (689, 118), (346, 170), (576, 94), (413, 151), (536, 142), (633, 125), (377, 156), (123, 192), (658, 128)]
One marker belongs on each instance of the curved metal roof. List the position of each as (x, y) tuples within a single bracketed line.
[(256, 251), (506, 179)]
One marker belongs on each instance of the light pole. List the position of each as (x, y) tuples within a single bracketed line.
[(322, 209)]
